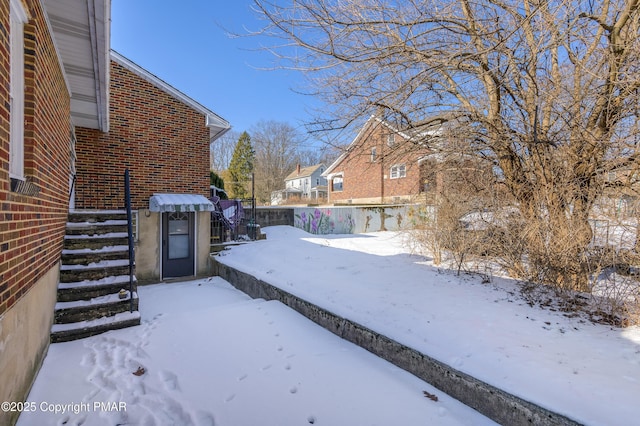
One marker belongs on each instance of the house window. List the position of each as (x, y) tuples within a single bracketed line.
[(373, 154), (398, 171), (391, 139), (336, 183), (18, 17)]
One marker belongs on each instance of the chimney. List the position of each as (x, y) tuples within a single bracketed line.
[(298, 168)]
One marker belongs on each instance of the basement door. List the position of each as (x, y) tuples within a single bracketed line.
[(178, 244)]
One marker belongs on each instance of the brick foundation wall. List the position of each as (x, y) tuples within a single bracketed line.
[(32, 226), (163, 142)]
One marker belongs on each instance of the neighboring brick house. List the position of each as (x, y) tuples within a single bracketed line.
[(304, 183), (381, 165), (163, 137), (42, 89)]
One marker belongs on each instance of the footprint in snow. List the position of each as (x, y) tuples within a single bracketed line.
[(170, 380)]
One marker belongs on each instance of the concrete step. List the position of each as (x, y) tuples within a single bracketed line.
[(88, 256), (95, 268), (96, 228), (96, 215), (82, 329), (88, 289), (76, 242), (94, 271), (97, 307)]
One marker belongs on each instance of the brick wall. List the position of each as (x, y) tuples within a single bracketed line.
[(370, 179), (32, 226), (163, 142)]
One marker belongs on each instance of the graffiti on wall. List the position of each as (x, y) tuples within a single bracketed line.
[(350, 220), (324, 221)]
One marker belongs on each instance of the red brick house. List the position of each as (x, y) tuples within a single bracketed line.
[(45, 91), (381, 165), (162, 137), (73, 114)]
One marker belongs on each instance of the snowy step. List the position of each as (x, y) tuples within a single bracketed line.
[(83, 241), (93, 271), (96, 228), (88, 289), (81, 329), (85, 256), (94, 275), (97, 307), (96, 215)]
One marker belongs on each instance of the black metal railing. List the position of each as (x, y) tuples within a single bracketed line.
[(127, 204)]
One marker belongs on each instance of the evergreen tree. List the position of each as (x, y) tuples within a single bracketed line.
[(218, 182), (241, 167)]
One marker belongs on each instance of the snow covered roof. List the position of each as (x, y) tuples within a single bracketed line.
[(179, 203)]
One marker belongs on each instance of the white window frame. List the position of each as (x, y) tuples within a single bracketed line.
[(398, 171), (373, 154), (391, 139), (333, 178), (18, 17)]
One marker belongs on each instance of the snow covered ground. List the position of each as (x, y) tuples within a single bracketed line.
[(209, 355), (206, 354), (588, 372)]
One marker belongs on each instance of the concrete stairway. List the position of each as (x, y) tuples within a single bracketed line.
[(93, 290)]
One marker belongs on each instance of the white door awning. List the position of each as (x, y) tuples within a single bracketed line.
[(179, 203)]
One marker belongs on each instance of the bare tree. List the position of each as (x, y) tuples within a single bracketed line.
[(221, 151), (545, 89), (277, 147)]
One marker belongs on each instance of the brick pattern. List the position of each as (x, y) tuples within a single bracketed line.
[(367, 178), (32, 226), (163, 142)]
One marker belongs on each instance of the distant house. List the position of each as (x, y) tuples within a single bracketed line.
[(304, 183), (381, 165), (75, 116)]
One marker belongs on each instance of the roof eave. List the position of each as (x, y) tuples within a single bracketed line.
[(81, 35)]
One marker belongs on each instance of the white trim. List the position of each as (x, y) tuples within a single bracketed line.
[(55, 47), (99, 31), (161, 251), (330, 182), (195, 243), (399, 167), (19, 10), (17, 19)]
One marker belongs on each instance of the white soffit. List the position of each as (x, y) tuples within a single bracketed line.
[(81, 32)]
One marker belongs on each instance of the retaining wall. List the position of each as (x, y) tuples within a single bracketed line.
[(492, 402)]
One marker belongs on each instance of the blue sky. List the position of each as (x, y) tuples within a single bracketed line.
[(185, 44)]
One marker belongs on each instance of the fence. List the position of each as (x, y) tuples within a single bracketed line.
[(232, 220)]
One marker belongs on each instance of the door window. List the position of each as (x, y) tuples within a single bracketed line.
[(178, 236)]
